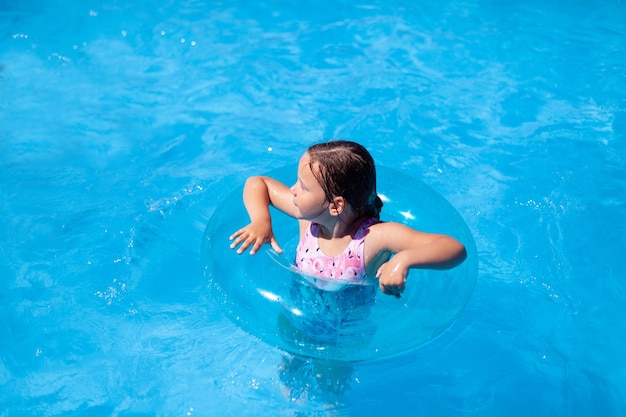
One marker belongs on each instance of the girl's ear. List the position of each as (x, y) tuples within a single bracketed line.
[(337, 206)]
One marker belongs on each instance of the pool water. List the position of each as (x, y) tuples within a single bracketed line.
[(124, 124)]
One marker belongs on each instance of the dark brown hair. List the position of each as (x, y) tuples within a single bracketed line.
[(346, 169)]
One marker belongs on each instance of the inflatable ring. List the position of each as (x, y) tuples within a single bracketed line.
[(267, 297)]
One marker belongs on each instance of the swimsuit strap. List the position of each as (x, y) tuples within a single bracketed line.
[(357, 243)]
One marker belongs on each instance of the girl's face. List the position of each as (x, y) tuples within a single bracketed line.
[(308, 196)]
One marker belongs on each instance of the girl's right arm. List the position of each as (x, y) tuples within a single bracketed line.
[(411, 249), (258, 194)]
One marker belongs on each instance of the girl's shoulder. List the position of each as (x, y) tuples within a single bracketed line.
[(379, 226), (374, 230), (375, 225), (386, 235)]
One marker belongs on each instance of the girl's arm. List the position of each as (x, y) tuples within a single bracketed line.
[(258, 194), (412, 249)]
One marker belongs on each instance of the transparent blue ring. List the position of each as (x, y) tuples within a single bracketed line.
[(267, 297)]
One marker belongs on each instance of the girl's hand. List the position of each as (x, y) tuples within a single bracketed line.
[(255, 234), (392, 276)]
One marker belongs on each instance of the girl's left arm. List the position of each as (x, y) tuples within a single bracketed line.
[(412, 249)]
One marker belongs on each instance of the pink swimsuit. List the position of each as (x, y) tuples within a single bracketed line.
[(348, 266)]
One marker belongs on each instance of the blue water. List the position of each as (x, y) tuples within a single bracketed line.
[(123, 126)]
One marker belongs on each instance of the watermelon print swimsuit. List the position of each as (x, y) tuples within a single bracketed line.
[(348, 266)]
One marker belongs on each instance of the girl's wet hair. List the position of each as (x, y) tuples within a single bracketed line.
[(346, 169)]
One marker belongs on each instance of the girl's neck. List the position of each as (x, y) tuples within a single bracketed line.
[(337, 228)]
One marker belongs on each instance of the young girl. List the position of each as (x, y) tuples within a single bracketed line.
[(341, 236)]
